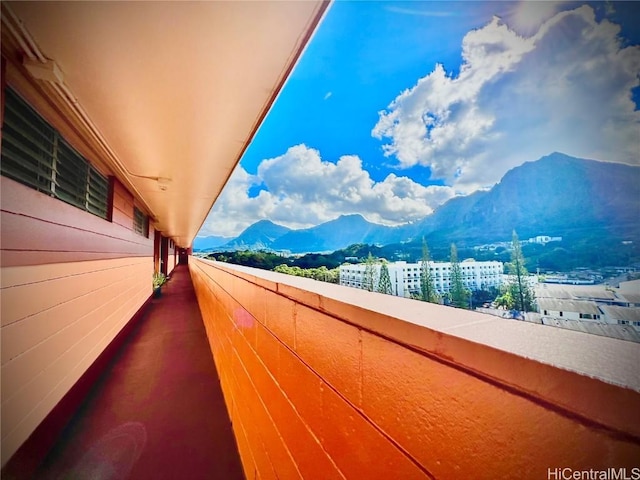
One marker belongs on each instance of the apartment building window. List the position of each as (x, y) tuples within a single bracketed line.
[(36, 155), (140, 222)]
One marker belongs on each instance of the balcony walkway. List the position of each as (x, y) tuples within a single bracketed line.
[(157, 412)]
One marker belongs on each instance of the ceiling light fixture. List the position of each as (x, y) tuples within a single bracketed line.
[(163, 183)]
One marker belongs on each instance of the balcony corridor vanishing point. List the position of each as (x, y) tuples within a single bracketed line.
[(157, 411)]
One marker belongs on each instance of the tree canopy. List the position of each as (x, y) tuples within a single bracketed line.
[(384, 283), (320, 273), (459, 294), (427, 288), (369, 279), (518, 294)]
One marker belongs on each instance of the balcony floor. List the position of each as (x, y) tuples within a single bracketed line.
[(157, 411)]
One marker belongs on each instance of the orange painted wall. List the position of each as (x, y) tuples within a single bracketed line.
[(316, 388), (70, 281)]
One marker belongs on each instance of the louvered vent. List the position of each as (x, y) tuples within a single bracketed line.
[(140, 222), (36, 155)]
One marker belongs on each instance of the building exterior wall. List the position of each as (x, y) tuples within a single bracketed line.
[(405, 277), (70, 282), (327, 382), (565, 315)]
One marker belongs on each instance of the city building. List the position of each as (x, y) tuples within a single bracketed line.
[(628, 293), (598, 303), (543, 239), (154, 103), (406, 277)]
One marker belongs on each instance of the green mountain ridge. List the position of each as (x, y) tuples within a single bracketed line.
[(557, 195)]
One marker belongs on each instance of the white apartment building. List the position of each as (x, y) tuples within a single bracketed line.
[(405, 277)]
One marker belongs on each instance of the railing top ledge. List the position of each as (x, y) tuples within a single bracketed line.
[(610, 359)]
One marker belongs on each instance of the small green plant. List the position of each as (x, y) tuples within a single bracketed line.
[(159, 279)]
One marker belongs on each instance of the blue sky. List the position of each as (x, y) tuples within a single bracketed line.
[(395, 107)]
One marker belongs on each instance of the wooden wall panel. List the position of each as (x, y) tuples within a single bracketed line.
[(122, 205), (50, 320), (119, 218), (39, 229), (70, 282), (55, 293), (48, 345)]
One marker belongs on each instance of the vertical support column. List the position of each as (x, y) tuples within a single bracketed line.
[(156, 250), (110, 198), (164, 254), (3, 84)]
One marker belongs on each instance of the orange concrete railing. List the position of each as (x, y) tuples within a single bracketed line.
[(323, 381)]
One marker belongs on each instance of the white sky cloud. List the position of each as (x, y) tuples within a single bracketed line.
[(526, 16), (302, 190), (566, 88), (536, 82)]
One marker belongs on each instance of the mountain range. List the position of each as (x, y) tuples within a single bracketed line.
[(557, 195)]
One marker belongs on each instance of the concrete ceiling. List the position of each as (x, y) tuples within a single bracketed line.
[(175, 89)]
